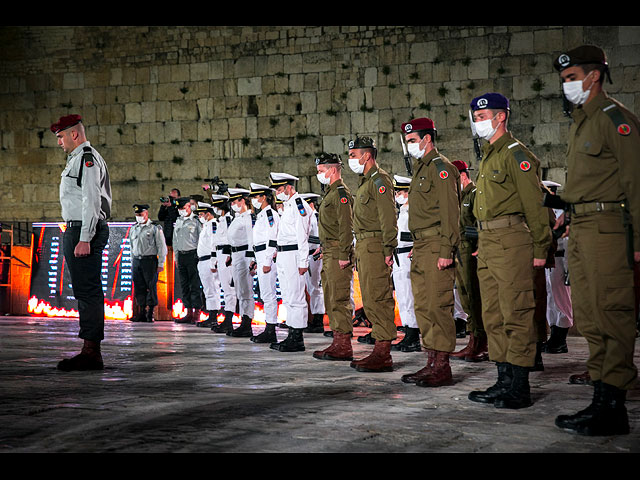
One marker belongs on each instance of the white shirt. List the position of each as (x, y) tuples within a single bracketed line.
[(265, 232), (294, 227)]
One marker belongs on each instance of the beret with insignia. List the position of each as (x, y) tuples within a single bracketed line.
[(418, 124), (362, 142), (583, 55), (328, 159), (461, 166), (491, 101)]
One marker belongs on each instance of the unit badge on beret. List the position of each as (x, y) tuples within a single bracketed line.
[(525, 166), (408, 127), (351, 144), (482, 103), (564, 60), (624, 129), (444, 174)]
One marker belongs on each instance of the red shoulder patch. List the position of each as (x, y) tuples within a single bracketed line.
[(444, 174), (525, 166), (343, 200), (88, 163), (382, 189), (624, 129)]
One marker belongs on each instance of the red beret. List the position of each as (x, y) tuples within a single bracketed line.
[(65, 122), (418, 124), (460, 165)]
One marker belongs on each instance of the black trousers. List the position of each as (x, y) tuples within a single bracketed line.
[(86, 280), (145, 280), (189, 279)]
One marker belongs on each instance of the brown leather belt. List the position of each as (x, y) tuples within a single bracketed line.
[(500, 222)]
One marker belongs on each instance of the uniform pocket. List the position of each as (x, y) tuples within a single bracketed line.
[(498, 177), (524, 295), (618, 294)]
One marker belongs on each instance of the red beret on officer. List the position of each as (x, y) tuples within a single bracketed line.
[(418, 124), (461, 166), (66, 122)]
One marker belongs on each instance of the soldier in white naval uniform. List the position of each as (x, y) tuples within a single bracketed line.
[(314, 282), (292, 259), (207, 264), (85, 198), (240, 236), (265, 240)]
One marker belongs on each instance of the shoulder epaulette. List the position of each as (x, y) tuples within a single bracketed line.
[(521, 157), (442, 168), (616, 116), (270, 217), (379, 182), (344, 198), (87, 161), (229, 220), (301, 209), (214, 227)]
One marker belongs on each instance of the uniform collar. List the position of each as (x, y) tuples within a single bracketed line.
[(292, 198), (469, 187), (506, 138), (429, 156), (78, 149), (336, 184), (596, 103)]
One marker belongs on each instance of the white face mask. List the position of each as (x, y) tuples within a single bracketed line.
[(401, 199), (322, 178), (256, 204), (202, 220), (139, 219), (236, 207), (282, 196), (485, 130), (355, 166), (415, 151), (183, 213), (574, 91)]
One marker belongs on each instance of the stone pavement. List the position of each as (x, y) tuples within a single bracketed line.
[(178, 388)]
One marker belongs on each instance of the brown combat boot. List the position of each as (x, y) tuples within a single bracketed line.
[(340, 349), (466, 350), (440, 372), (423, 372), (480, 350), (378, 361), (581, 379), (89, 358)]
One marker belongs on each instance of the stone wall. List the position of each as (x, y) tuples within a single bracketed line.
[(170, 106)]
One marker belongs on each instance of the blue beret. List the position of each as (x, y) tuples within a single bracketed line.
[(491, 101)]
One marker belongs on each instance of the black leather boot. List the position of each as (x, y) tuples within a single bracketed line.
[(208, 323), (226, 325), (293, 343), (557, 342), (268, 335), (518, 395), (149, 317), (538, 365), (503, 384), (368, 339), (606, 415), (244, 330), (141, 314), (316, 325), (410, 342)]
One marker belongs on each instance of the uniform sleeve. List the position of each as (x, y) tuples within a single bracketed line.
[(523, 168), (91, 188), (446, 189), (303, 224), (248, 227), (345, 226), (387, 215), (162, 246), (624, 142), (273, 237)]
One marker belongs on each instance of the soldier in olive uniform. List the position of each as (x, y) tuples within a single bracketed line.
[(85, 198), (186, 233), (514, 240), (335, 229), (434, 222), (376, 232), (603, 193), (467, 271), (148, 254)]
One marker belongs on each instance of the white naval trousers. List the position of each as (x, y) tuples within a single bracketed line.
[(404, 293), (292, 288), (314, 287), (243, 282), (559, 310), (267, 283), (225, 276), (210, 285)]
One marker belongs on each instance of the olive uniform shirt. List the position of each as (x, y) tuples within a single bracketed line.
[(375, 208), (602, 157), (335, 221), (467, 218), (508, 184), (434, 196)]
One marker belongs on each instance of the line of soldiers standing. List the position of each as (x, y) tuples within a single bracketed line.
[(499, 231)]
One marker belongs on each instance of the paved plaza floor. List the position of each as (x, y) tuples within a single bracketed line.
[(179, 388)]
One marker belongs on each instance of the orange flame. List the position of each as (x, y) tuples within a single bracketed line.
[(113, 310)]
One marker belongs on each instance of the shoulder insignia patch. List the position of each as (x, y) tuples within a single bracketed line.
[(442, 169), (443, 174), (525, 166), (270, 217), (214, 227), (624, 129), (344, 198), (379, 181), (618, 119), (301, 208)]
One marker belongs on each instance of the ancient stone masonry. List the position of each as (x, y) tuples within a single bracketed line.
[(170, 106)]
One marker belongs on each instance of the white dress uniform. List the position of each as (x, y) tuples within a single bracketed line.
[(314, 284), (293, 253), (402, 270), (207, 263), (240, 235), (223, 252), (559, 307), (265, 238)]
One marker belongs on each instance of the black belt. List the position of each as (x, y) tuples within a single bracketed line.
[(206, 257), (225, 248), (241, 248), (187, 252), (259, 248), (78, 223), (140, 257), (314, 239), (287, 248), (403, 249)]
